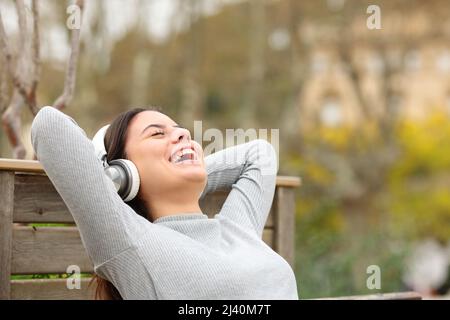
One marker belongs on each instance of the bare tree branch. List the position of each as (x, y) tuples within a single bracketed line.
[(22, 19), (69, 85), (24, 72), (3, 85), (3, 76), (8, 58), (23, 67), (20, 73), (11, 116), (36, 59), (256, 56), (12, 125)]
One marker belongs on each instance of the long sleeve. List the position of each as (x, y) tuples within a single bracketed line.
[(250, 171), (107, 224)]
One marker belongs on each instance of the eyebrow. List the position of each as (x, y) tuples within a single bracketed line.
[(161, 126)]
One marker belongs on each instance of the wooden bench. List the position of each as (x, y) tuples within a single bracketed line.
[(28, 197), (408, 295)]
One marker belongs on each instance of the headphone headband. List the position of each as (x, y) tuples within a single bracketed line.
[(99, 144)]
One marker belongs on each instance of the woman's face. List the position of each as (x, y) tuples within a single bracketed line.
[(164, 154)]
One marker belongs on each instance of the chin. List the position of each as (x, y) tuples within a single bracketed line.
[(197, 174)]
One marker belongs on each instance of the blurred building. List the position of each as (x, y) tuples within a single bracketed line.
[(401, 70)]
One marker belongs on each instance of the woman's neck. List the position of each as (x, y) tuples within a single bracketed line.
[(163, 208)]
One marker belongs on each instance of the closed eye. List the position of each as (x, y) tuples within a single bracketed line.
[(158, 133)]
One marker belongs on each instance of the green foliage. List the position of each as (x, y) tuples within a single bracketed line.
[(332, 258), (406, 198), (47, 276), (419, 182)]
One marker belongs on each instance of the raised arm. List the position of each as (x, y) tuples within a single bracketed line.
[(107, 225), (250, 171)]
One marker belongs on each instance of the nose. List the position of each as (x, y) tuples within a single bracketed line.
[(181, 135)]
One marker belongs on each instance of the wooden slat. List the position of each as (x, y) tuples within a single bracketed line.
[(34, 166), (6, 224), (51, 289), (53, 249), (47, 250), (380, 296), (56, 289), (16, 165), (284, 224), (288, 181), (36, 200)]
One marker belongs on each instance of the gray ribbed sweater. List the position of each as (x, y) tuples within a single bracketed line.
[(183, 256)]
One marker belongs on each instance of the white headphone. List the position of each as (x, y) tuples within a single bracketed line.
[(122, 172)]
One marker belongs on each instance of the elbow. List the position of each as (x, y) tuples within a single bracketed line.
[(41, 123), (51, 126), (48, 124), (267, 157), (43, 118)]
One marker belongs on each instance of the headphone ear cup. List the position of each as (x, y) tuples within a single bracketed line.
[(125, 177)]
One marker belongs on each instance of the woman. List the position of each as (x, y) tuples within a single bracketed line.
[(160, 245)]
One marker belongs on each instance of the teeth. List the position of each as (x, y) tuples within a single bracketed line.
[(177, 157), (187, 151)]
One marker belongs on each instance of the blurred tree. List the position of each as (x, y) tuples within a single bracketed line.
[(191, 89), (257, 38), (24, 72)]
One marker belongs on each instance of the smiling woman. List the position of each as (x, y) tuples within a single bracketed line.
[(160, 245), (155, 144), (155, 151)]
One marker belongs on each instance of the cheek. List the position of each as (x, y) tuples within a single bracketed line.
[(150, 160)]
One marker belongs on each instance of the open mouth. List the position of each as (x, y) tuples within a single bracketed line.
[(185, 154)]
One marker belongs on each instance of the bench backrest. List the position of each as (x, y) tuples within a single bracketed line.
[(28, 197)]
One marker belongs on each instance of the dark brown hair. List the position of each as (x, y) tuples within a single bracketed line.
[(115, 139)]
